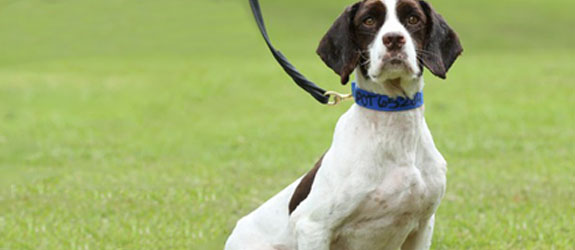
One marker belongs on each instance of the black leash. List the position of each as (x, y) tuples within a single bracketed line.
[(318, 93)]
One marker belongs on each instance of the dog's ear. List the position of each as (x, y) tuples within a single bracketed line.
[(337, 48), (441, 46)]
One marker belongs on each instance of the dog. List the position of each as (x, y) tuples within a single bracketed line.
[(381, 181)]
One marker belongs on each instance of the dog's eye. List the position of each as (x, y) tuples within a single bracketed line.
[(413, 20), (369, 21)]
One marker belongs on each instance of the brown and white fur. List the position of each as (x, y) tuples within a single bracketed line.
[(381, 181)]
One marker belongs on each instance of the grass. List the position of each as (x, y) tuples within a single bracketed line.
[(157, 124)]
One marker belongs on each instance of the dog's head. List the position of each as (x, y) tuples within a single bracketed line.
[(389, 39)]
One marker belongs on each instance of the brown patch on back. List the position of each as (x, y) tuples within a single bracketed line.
[(304, 188)]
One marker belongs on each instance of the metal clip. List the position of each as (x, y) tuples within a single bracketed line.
[(337, 97)]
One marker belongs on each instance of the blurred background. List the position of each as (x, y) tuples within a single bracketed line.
[(157, 124)]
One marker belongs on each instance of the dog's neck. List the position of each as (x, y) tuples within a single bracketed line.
[(398, 87), (396, 134), (397, 122)]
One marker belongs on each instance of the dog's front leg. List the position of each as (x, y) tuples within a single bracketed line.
[(318, 217), (420, 239), (312, 235)]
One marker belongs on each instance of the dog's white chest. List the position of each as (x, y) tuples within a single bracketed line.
[(404, 190), (393, 209), (403, 182)]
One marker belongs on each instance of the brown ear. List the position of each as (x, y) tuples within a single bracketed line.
[(441, 46), (337, 48)]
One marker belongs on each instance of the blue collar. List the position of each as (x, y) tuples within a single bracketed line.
[(379, 102)]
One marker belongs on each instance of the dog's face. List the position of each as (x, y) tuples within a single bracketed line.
[(389, 39)]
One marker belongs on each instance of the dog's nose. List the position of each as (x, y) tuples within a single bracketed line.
[(393, 41)]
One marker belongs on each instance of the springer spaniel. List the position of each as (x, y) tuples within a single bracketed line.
[(381, 181)]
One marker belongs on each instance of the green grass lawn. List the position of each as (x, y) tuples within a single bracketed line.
[(157, 124)]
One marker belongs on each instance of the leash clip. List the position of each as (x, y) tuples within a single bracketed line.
[(337, 97)]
